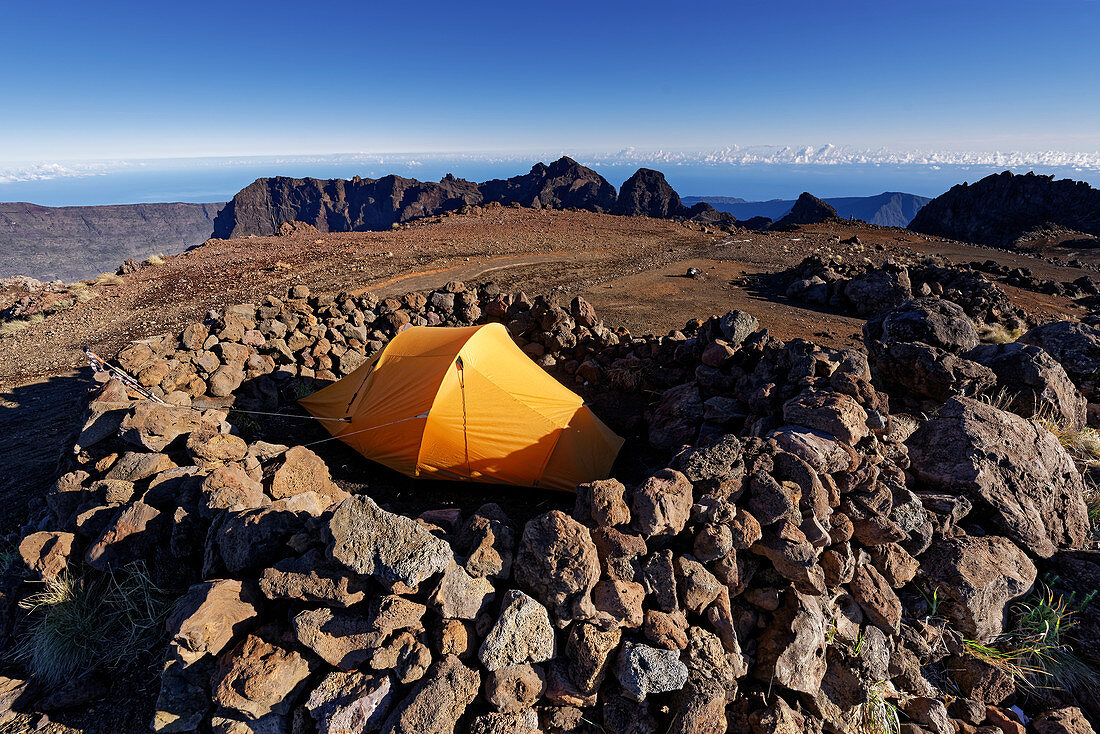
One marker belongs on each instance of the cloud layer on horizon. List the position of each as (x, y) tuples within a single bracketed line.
[(733, 156)]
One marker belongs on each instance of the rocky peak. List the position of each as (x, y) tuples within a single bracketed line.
[(647, 193), (1002, 207), (564, 183), (808, 210)]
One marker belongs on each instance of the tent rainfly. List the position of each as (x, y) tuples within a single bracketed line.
[(467, 404)]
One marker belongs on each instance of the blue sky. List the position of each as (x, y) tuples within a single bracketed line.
[(149, 80)]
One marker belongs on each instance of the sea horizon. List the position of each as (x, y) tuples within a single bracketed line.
[(206, 180)]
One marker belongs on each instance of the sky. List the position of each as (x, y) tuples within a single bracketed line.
[(119, 81)]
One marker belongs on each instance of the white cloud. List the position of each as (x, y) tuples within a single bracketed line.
[(732, 156)]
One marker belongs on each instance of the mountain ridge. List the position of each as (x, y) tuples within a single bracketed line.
[(889, 209), (1003, 208), (365, 204)]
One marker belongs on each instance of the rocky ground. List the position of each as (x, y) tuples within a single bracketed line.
[(824, 525)]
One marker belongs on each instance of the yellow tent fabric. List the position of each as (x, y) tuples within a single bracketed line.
[(467, 403)]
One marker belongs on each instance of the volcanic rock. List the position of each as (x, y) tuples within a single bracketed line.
[(1001, 207), (1013, 466), (558, 563), (521, 634), (435, 704), (260, 675), (643, 670), (311, 578), (346, 702), (1076, 347), (977, 578), (563, 184), (393, 548)]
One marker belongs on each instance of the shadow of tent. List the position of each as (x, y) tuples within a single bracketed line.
[(39, 423)]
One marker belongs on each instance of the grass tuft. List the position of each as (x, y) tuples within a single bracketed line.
[(876, 715), (76, 625), (299, 389), (108, 279), (1001, 400), (155, 260), (630, 376), (1038, 652), (1092, 505)]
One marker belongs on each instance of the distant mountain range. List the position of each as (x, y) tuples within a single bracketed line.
[(73, 242), (889, 209)]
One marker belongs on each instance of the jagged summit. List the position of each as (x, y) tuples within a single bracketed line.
[(647, 193), (564, 183)]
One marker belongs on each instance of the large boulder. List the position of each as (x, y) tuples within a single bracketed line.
[(976, 579), (153, 426), (1013, 467), (915, 351), (559, 565), (1035, 383), (1076, 346), (676, 418), (392, 548), (934, 321), (879, 290)]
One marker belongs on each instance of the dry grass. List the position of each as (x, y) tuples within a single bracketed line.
[(630, 376), (76, 625), (9, 328), (84, 295), (1001, 400), (997, 334), (1083, 444), (108, 279), (1092, 504), (154, 260)]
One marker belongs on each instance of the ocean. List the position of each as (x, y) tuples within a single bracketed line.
[(212, 180)]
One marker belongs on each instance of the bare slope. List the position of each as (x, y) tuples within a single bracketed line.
[(73, 242)]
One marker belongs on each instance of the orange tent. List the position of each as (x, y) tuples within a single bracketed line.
[(466, 403)]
